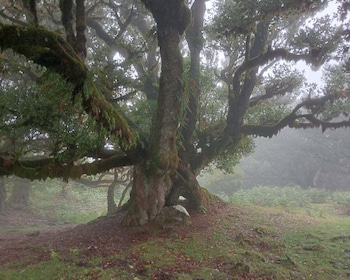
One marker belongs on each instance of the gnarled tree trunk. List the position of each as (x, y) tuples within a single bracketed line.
[(150, 193), (152, 173), (147, 197)]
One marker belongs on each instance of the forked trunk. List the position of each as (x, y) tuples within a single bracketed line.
[(153, 173), (151, 192), (185, 183), (147, 197)]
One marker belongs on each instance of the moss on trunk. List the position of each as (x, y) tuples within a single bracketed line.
[(185, 183), (147, 197)]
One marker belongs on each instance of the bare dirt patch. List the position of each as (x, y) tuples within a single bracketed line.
[(31, 239)]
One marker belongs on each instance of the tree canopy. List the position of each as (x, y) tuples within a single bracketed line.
[(168, 87)]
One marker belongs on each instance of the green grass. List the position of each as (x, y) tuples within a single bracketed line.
[(321, 250), (300, 238), (291, 248), (56, 269)]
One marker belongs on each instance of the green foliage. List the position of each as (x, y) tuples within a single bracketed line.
[(43, 116), (318, 40), (228, 159), (240, 17), (294, 198), (340, 198), (289, 197), (272, 196), (336, 80), (264, 114), (213, 107), (142, 113), (316, 195)]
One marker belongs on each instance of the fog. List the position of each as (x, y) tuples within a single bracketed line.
[(306, 158)]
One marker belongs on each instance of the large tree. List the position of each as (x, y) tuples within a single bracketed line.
[(92, 85)]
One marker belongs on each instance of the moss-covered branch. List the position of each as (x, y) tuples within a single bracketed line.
[(96, 105), (269, 131), (48, 49), (45, 48), (48, 168), (314, 105)]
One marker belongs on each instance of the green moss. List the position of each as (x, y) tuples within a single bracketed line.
[(45, 48), (107, 115)]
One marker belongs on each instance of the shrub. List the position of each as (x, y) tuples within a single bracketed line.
[(289, 196), (340, 198)]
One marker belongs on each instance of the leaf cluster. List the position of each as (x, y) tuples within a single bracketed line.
[(265, 114), (42, 120), (240, 17)]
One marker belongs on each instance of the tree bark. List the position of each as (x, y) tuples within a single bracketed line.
[(152, 174), (111, 205), (185, 184), (194, 38), (64, 190), (147, 197), (3, 196)]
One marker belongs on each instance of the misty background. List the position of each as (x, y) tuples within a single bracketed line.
[(305, 158)]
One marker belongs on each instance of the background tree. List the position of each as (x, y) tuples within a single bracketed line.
[(20, 191), (3, 196), (155, 86), (308, 158)]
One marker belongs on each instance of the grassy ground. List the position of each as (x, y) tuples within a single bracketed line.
[(289, 240)]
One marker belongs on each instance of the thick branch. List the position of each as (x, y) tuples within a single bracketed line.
[(80, 26), (240, 94), (48, 168), (67, 16), (50, 50), (314, 105), (269, 131), (110, 41), (45, 48), (314, 122), (195, 40), (272, 55)]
